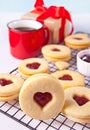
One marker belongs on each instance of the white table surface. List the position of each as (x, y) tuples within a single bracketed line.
[(8, 62)]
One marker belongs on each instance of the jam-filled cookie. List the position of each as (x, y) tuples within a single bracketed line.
[(56, 52), (77, 41), (9, 98), (61, 65), (32, 66), (69, 78), (41, 97), (77, 104), (10, 84)]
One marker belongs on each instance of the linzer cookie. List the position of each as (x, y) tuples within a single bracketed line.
[(32, 66), (69, 78), (9, 98), (56, 52), (10, 86), (77, 104), (77, 41), (41, 97)]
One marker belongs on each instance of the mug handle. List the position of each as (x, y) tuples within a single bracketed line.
[(47, 35)]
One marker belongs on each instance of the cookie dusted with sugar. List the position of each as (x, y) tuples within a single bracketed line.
[(56, 52), (10, 86), (32, 66), (41, 97), (77, 104), (69, 78)]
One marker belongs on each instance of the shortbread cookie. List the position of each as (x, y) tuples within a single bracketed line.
[(61, 65), (56, 52), (41, 97), (77, 41), (77, 104), (10, 84), (32, 66), (9, 98), (69, 78), (57, 59)]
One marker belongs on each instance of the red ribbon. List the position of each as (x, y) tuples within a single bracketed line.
[(39, 8), (38, 3), (54, 12)]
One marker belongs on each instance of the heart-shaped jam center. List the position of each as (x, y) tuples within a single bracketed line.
[(55, 49), (4, 82), (77, 38), (81, 100), (66, 77), (34, 65), (42, 98)]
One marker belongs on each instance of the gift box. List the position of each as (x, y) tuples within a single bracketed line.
[(57, 19)]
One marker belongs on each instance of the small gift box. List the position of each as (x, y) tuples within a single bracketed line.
[(57, 19)]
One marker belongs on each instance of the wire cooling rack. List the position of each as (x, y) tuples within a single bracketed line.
[(60, 122)]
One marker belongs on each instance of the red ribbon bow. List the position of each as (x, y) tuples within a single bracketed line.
[(54, 12)]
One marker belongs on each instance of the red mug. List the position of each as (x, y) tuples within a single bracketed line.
[(27, 37)]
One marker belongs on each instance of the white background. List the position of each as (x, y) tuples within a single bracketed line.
[(10, 10), (75, 6)]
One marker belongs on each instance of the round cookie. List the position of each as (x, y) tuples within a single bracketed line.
[(57, 59), (10, 84), (39, 96), (9, 98), (58, 52), (77, 41), (32, 66), (69, 78), (61, 65), (77, 104)]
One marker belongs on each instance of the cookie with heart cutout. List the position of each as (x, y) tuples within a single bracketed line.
[(10, 84), (77, 104), (77, 41), (69, 78), (56, 52), (30, 66), (41, 97)]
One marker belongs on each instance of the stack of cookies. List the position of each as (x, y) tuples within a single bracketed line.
[(10, 86), (69, 78), (77, 41), (77, 104), (56, 52), (32, 66)]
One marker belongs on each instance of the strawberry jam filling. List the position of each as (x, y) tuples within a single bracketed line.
[(65, 77), (77, 38), (55, 49), (34, 65), (42, 98), (86, 58), (4, 82), (81, 100)]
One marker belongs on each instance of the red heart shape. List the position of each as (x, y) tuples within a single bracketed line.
[(81, 100), (66, 77), (4, 82), (34, 65), (42, 98)]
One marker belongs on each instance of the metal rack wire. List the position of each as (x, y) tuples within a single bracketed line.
[(60, 122)]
